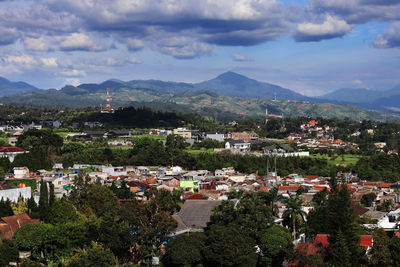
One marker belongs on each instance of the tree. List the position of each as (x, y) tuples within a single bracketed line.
[(251, 215), (26, 262), (79, 192), (394, 248), (96, 255), (20, 207), (185, 250), (8, 252), (51, 242), (271, 198), (150, 225), (102, 201), (2, 173), (43, 200), (380, 253), (52, 196), (5, 208), (367, 199), (33, 208), (276, 244), (116, 236), (293, 213), (341, 254), (228, 246), (62, 211)]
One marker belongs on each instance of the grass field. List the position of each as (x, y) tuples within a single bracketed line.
[(4, 140), (150, 136), (198, 151), (337, 159), (64, 134)]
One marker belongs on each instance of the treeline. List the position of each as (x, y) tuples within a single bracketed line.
[(147, 151), (90, 228), (47, 148), (379, 167)]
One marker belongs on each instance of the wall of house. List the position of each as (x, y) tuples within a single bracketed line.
[(13, 194)]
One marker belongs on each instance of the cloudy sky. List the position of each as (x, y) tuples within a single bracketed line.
[(310, 46)]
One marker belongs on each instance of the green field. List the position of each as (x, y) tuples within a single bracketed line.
[(337, 159), (64, 134), (198, 151), (4, 140), (150, 136)]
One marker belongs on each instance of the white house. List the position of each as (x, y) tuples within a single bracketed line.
[(237, 146)]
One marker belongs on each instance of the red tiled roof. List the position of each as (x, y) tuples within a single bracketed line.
[(384, 185), (10, 224), (321, 188), (322, 239), (369, 183), (10, 149), (151, 181), (289, 187), (366, 241), (264, 188), (194, 196)]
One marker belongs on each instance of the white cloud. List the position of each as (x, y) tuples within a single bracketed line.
[(182, 47), (49, 62), (389, 38), (74, 73), (134, 44), (237, 57), (24, 59), (37, 44), (80, 41), (72, 81), (331, 27)]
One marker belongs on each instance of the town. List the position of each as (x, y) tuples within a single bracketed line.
[(192, 175)]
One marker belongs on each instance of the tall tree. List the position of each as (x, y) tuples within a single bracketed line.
[(276, 245), (228, 246), (96, 255), (293, 213), (5, 208), (43, 200), (32, 207), (380, 253), (185, 250), (52, 196), (341, 255)]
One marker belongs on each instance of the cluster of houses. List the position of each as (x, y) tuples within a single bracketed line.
[(202, 190), (315, 136)]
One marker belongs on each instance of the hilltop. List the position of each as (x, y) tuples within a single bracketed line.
[(226, 97)]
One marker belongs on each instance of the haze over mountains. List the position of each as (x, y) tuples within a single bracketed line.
[(12, 88), (229, 93), (380, 100)]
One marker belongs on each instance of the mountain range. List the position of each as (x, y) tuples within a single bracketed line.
[(12, 88), (227, 96), (388, 100)]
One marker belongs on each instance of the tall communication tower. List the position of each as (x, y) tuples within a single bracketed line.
[(108, 108), (271, 163)]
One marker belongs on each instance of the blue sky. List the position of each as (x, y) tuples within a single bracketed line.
[(310, 46)]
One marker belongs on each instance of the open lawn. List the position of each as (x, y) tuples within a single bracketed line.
[(337, 159), (149, 136), (4, 140), (198, 151), (64, 134)]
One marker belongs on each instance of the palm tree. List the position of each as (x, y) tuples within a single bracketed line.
[(293, 211), (270, 198)]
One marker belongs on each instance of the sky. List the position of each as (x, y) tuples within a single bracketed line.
[(309, 46)]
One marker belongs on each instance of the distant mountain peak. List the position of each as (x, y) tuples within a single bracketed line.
[(231, 75), (12, 88)]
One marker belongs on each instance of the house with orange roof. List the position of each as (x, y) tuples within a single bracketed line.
[(9, 225)]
